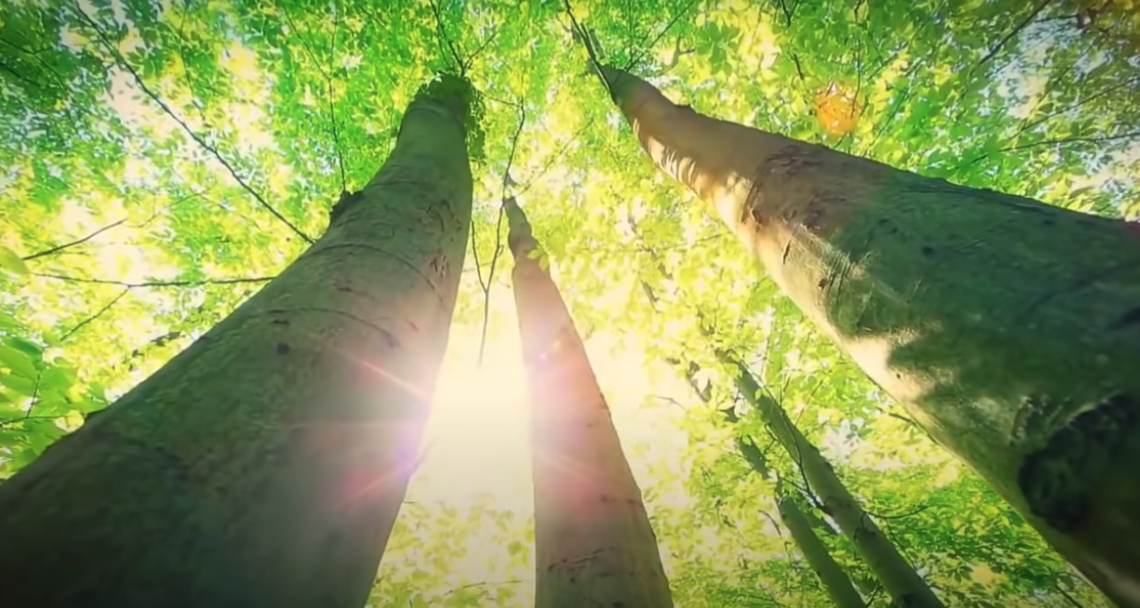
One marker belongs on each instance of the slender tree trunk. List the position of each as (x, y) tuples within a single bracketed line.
[(263, 467), (899, 578), (1009, 328), (593, 542), (834, 579)]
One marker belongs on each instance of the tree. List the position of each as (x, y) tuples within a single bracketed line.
[(594, 544), (265, 464), (1013, 352), (135, 240), (834, 579), (899, 578)]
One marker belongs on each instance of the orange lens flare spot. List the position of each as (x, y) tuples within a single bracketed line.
[(837, 109)]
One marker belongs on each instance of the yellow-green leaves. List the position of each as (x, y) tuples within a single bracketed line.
[(11, 262)]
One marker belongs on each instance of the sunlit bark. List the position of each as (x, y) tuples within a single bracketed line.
[(263, 467), (593, 542), (1009, 328)]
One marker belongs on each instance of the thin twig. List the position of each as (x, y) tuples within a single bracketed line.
[(595, 62), (101, 312), (459, 64), (1064, 140), (79, 241), (329, 90), (148, 284), (498, 234), (1015, 31), (197, 138), (647, 47)]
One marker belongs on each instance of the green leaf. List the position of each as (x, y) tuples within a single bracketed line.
[(11, 262), (17, 361), (22, 386), (57, 378)]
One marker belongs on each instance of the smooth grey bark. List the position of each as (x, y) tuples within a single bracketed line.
[(264, 466)]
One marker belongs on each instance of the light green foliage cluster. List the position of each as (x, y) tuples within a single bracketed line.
[(163, 160), (456, 89)]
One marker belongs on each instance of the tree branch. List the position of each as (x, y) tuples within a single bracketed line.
[(148, 284), (197, 138)]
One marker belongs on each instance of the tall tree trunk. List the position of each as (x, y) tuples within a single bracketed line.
[(594, 545), (263, 467), (901, 582), (833, 577), (1009, 328)]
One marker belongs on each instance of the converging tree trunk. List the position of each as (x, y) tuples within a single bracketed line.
[(594, 544), (899, 579), (264, 466), (1009, 328), (833, 577)]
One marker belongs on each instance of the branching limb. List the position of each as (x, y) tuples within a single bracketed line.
[(149, 284), (486, 285), (120, 60), (101, 312)]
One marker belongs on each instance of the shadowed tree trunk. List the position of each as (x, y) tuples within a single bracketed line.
[(899, 579), (833, 577), (1010, 329), (263, 467), (594, 545)]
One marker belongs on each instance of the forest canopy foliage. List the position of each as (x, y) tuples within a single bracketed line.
[(163, 159)]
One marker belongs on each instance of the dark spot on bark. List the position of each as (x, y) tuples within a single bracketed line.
[(619, 604), (390, 339), (550, 567), (633, 503), (1131, 317), (787, 250), (346, 200), (282, 348), (280, 321), (1049, 221), (792, 159), (1059, 479), (341, 287), (607, 498), (927, 250), (573, 579)]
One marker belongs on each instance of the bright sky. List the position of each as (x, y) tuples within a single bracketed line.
[(477, 438)]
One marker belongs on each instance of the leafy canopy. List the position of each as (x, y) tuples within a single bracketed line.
[(165, 158)]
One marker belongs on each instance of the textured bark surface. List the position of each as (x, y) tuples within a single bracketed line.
[(1010, 329), (835, 580), (831, 575), (898, 577), (594, 546), (263, 466)]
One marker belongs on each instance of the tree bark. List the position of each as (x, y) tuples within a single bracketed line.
[(1009, 329), (831, 575), (901, 582), (594, 544), (264, 466)]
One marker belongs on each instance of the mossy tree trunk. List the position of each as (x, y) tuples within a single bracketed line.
[(264, 466), (899, 579), (594, 544), (1010, 329), (831, 575)]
